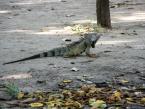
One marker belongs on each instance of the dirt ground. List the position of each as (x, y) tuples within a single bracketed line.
[(28, 27)]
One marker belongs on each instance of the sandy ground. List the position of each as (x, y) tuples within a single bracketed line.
[(28, 27)]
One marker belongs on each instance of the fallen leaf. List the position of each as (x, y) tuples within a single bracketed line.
[(143, 100), (129, 99), (97, 104), (36, 104), (116, 96), (28, 100), (20, 95), (54, 103), (67, 81), (124, 81), (91, 101)]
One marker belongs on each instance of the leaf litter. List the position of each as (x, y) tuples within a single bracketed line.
[(95, 96), (87, 27)]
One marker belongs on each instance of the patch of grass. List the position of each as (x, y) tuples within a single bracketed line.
[(12, 89)]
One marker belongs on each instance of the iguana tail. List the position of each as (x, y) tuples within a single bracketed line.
[(54, 52), (28, 58)]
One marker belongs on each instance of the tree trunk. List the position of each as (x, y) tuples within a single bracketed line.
[(103, 13)]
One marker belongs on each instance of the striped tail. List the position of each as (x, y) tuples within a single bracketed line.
[(29, 58)]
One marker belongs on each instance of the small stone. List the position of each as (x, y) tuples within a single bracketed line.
[(29, 9), (14, 6), (122, 33), (72, 62), (135, 34), (50, 64), (15, 14), (62, 0), (22, 50), (10, 17), (74, 69), (52, 8), (113, 6), (89, 82), (41, 81), (66, 39), (136, 72), (69, 15)]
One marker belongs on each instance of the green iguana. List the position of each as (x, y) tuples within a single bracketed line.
[(74, 49)]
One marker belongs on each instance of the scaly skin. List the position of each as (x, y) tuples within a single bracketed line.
[(71, 50)]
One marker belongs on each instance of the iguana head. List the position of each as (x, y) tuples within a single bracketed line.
[(92, 38)]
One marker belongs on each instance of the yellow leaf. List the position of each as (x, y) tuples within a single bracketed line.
[(91, 101), (124, 81), (130, 102), (67, 81), (36, 104), (78, 104), (100, 101), (53, 103), (115, 97), (40, 97), (66, 93), (80, 93), (129, 99), (143, 100), (20, 95), (97, 104), (117, 94)]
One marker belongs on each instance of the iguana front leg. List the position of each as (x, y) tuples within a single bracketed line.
[(88, 52)]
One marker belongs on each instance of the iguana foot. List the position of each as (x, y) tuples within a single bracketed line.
[(92, 55)]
